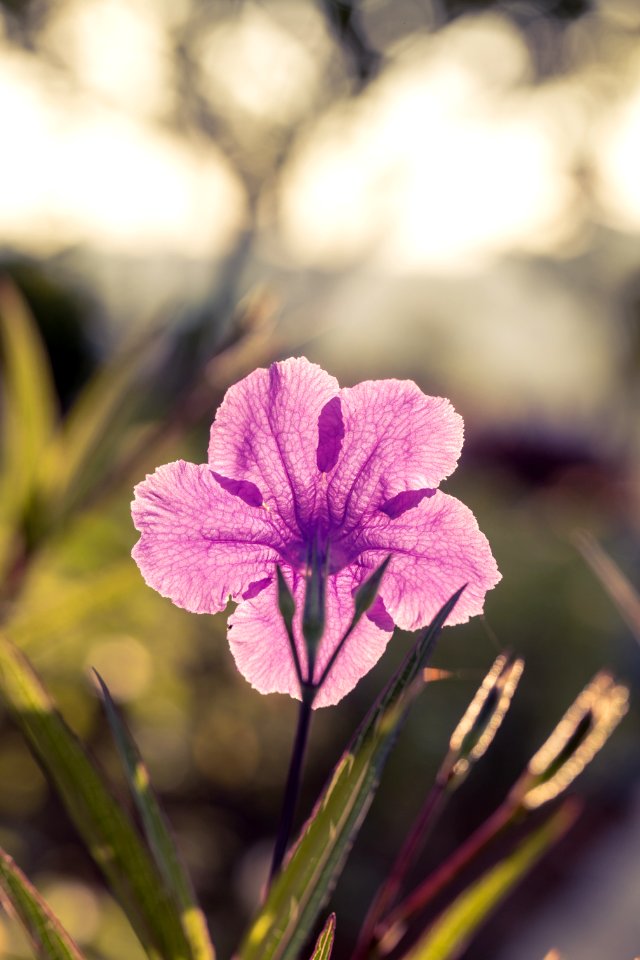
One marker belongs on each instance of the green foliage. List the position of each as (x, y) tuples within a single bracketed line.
[(50, 467), (105, 828), (48, 938), (50, 472), (324, 944), (451, 932), (29, 416), (89, 434), (301, 890), (158, 835)]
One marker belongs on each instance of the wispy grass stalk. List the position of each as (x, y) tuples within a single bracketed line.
[(469, 741)]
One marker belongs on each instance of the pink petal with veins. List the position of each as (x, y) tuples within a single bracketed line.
[(436, 547), (396, 439), (293, 462), (199, 544), (266, 432)]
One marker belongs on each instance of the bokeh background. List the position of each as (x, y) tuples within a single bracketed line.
[(446, 190)]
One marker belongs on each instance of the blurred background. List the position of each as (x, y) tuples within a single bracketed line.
[(446, 190)]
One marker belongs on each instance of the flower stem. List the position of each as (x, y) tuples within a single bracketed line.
[(294, 777), (392, 885), (391, 929)]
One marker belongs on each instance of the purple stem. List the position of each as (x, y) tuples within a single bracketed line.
[(391, 886), (292, 789), (392, 927)]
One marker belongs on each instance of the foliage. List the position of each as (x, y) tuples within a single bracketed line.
[(50, 479)]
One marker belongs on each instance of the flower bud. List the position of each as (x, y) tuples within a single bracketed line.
[(286, 603), (314, 607), (368, 591)]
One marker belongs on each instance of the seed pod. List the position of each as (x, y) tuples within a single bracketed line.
[(482, 719), (582, 732)]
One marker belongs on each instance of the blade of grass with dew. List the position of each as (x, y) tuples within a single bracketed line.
[(304, 885), (324, 943), (158, 834), (30, 407), (19, 897), (92, 419), (456, 926), (107, 830)]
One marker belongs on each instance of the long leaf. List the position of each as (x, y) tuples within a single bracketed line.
[(452, 931), (301, 890), (48, 937), (29, 395), (158, 835), (72, 458), (106, 829), (324, 943), (616, 584)]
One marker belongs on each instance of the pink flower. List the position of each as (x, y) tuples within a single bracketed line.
[(293, 458)]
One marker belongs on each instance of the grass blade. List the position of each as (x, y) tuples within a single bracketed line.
[(158, 834), (88, 430), (301, 890), (46, 934), (452, 931), (108, 832), (623, 594), (30, 408), (324, 944)]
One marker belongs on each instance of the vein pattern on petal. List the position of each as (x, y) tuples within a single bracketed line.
[(199, 544), (266, 432), (396, 439), (436, 547)]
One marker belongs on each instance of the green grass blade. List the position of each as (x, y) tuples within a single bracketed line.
[(613, 580), (158, 834), (89, 427), (46, 934), (324, 944), (29, 401), (105, 827), (452, 931), (301, 890)]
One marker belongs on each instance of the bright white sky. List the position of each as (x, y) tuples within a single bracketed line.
[(449, 160)]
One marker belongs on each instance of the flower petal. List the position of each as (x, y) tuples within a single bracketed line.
[(266, 432), (200, 544), (404, 501), (261, 650), (396, 439), (436, 547), (330, 435)]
